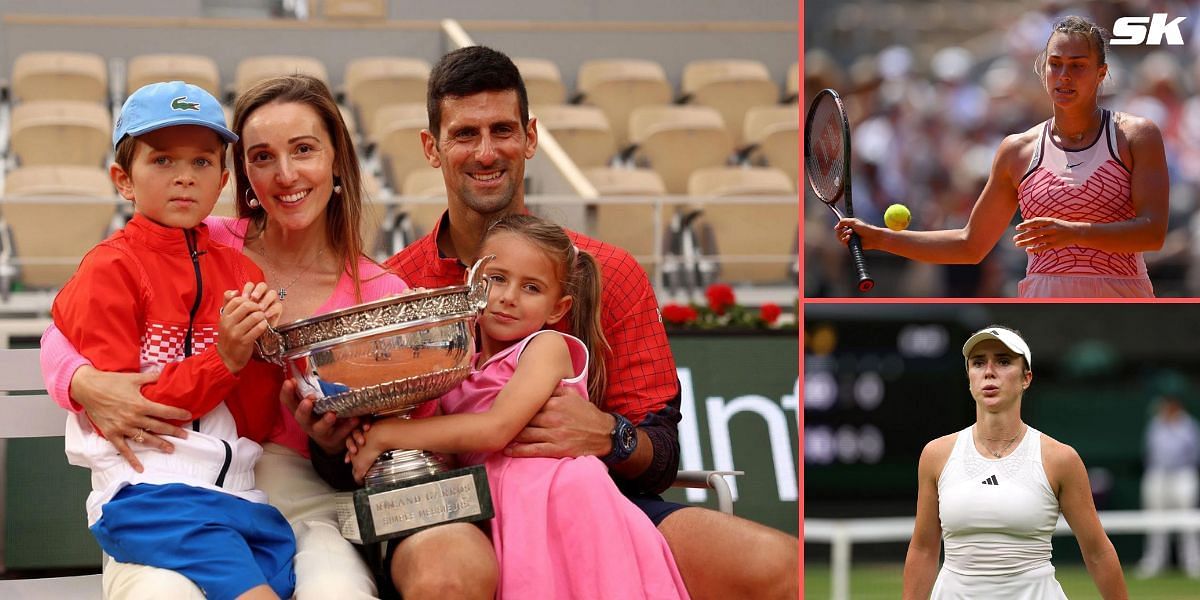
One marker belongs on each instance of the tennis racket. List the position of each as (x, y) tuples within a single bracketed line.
[(827, 165)]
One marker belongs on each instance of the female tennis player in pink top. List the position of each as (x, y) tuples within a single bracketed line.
[(1091, 185), (562, 528)]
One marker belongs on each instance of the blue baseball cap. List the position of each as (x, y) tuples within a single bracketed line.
[(168, 104)]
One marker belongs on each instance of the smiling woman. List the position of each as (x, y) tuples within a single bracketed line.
[(1091, 185), (297, 165), (299, 200), (993, 493)]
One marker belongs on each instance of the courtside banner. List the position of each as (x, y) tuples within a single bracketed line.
[(740, 408)]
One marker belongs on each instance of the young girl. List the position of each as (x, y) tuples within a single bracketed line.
[(562, 530)]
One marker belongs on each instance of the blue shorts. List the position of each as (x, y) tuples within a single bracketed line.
[(654, 506), (225, 544)]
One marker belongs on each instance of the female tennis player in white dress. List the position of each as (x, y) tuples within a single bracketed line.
[(992, 493)]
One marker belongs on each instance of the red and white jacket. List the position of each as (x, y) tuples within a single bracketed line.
[(148, 299)]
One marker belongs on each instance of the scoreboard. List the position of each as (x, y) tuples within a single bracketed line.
[(879, 383)]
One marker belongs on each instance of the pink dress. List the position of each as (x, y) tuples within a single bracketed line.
[(562, 529)]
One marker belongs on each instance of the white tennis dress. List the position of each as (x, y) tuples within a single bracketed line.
[(997, 518)]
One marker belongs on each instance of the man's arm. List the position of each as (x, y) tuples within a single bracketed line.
[(653, 466), (642, 382)]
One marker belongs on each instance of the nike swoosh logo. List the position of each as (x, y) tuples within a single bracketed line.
[(1072, 166)]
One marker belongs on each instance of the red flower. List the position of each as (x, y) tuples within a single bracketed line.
[(678, 315), (720, 297), (770, 313)]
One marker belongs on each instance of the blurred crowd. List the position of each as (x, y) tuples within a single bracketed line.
[(930, 105)]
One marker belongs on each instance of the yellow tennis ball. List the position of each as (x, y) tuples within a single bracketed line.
[(896, 217)]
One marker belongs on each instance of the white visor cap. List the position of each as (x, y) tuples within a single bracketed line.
[(1008, 337)]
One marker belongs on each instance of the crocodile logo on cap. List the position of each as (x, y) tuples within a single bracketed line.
[(181, 103)]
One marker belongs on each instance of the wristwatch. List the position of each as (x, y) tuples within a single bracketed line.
[(624, 441)]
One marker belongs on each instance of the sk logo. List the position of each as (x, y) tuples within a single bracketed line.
[(1131, 31), (181, 103)]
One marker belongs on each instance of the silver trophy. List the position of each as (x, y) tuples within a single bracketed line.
[(388, 357)]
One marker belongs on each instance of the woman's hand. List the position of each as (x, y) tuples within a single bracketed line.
[(328, 431), (869, 234), (1040, 234), (117, 409)]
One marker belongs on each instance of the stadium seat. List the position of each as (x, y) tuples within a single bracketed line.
[(774, 133), (77, 76), (257, 68), (793, 83), (200, 71), (772, 230), (730, 86), (677, 140), (377, 81), (582, 131), (354, 9), (396, 132), (373, 212), (351, 123), (424, 183), (618, 86), (56, 132), (630, 226), (226, 206), (543, 82), (48, 180), (76, 227)]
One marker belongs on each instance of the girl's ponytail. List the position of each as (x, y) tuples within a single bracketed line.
[(585, 286)]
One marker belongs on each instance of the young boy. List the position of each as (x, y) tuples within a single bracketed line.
[(150, 298)]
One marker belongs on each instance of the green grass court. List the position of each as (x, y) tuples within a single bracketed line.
[(884, 582)]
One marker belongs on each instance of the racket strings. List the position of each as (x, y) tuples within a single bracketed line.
[(825, 151)]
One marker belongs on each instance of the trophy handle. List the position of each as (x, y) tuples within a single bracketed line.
[(477, 297), (270, 346)]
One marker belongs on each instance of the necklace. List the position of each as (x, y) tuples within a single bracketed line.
[(1077, 137), (1000, 452), (283, 289)]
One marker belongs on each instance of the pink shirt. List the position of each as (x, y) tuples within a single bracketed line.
[(60, 359)]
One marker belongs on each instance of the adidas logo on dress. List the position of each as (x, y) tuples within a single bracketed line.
[(990, 481)]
